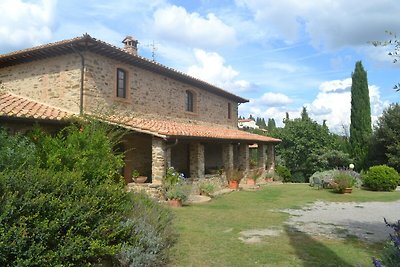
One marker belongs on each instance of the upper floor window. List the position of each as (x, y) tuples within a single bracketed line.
[(229, 111), (189, 101), (121, 83)]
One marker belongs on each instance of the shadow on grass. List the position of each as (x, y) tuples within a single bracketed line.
[(311, 252)]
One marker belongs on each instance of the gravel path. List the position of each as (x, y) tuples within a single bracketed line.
[(341, 220)]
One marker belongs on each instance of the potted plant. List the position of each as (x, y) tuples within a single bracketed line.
[(206, 189), (137, 177), (176, 195), (234, 176), (253, 176), (269, 177), (344, 183)]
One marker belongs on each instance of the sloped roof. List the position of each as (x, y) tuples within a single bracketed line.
[(172, 129), (18, 107), (88, 43), (14, 106)]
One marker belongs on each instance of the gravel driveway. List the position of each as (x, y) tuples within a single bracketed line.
[(340, 220)]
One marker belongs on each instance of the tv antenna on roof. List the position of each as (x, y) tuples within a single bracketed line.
[(154, 48)]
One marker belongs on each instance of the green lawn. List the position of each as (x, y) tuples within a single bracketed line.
[(209, 233)]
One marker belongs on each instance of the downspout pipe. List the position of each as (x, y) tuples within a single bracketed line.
[(82, 78)]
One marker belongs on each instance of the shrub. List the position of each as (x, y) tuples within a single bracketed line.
[(172, 178), (381, 178), (342, 181), (16, 151), (86, 147), (391, 252), (234, 175), (284, 173), (207, 188), (327, 177), (53, 218)]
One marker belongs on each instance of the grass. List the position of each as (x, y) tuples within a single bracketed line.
[(209, 233)]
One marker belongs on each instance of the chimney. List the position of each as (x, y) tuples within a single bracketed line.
[(130, 45)]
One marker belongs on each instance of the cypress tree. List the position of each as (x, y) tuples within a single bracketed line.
[(271, 124), (360, 125)]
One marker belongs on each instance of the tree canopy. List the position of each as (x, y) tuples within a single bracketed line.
[(360, 126)]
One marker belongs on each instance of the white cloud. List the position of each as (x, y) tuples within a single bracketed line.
[(175, 23), (274, 99), (333, 24), (23, 24), (333, 103), (211, 68)]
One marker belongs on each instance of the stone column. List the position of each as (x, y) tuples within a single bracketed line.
[(244, 157), (271, 158), (261, 156), (168, 156), (159, 160), (196, 155), (227, 156)]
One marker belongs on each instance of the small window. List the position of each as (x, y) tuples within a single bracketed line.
[(229, 111), (121, 83), (189, 101)]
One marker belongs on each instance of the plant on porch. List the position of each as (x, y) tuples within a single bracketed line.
[(234, 176), (175, 187), (253, 176), (137, 177)]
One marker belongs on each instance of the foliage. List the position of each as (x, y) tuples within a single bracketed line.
[(271, 124), (386, 138), (255, 174), (284, 173), (304, 114), (234, 175), (85, 146), (59, 217), (394, 42), (303, 143), (179, 191), (330, 159), (207, 188), (391, 252), (298, 177), (172, 178), (135, 173), (16, 151), (342, 181), (381, 178), (326, 177), (360, 126)]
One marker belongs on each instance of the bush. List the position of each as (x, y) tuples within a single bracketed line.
[(381, 178), (16, 151), (391, 252), (284, 173), (342, 181), (328, 177)]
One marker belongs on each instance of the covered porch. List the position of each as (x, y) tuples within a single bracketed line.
[(195, 150)]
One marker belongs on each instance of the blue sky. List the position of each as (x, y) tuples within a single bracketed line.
[(281, 55)]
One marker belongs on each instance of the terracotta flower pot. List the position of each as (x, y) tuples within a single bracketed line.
[(346, 190), (269, 179), (234, 185), (140, 179), (176, 203), (251, 181)]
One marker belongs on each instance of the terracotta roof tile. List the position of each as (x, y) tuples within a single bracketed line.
[(19, 107), (176, 129)]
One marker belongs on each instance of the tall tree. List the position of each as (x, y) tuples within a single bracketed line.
[(360, 125), (304, 114), (271, 124), (251, 117)]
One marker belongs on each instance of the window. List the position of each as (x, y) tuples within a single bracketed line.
[(121, 83), (229, 111), (189, 101)]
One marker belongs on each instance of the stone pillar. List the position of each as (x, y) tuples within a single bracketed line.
[(271, 158), (159, 160), (227, 156), (196, 155), (168, 156), (244, 157), (261, 156)]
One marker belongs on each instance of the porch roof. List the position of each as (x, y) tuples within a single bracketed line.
[(13, 106), (172, 129)]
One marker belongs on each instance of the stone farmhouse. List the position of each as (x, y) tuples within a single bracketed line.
[(173, 119)]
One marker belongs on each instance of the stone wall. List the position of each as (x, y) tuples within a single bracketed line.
[(56, 81), (151, 93)]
